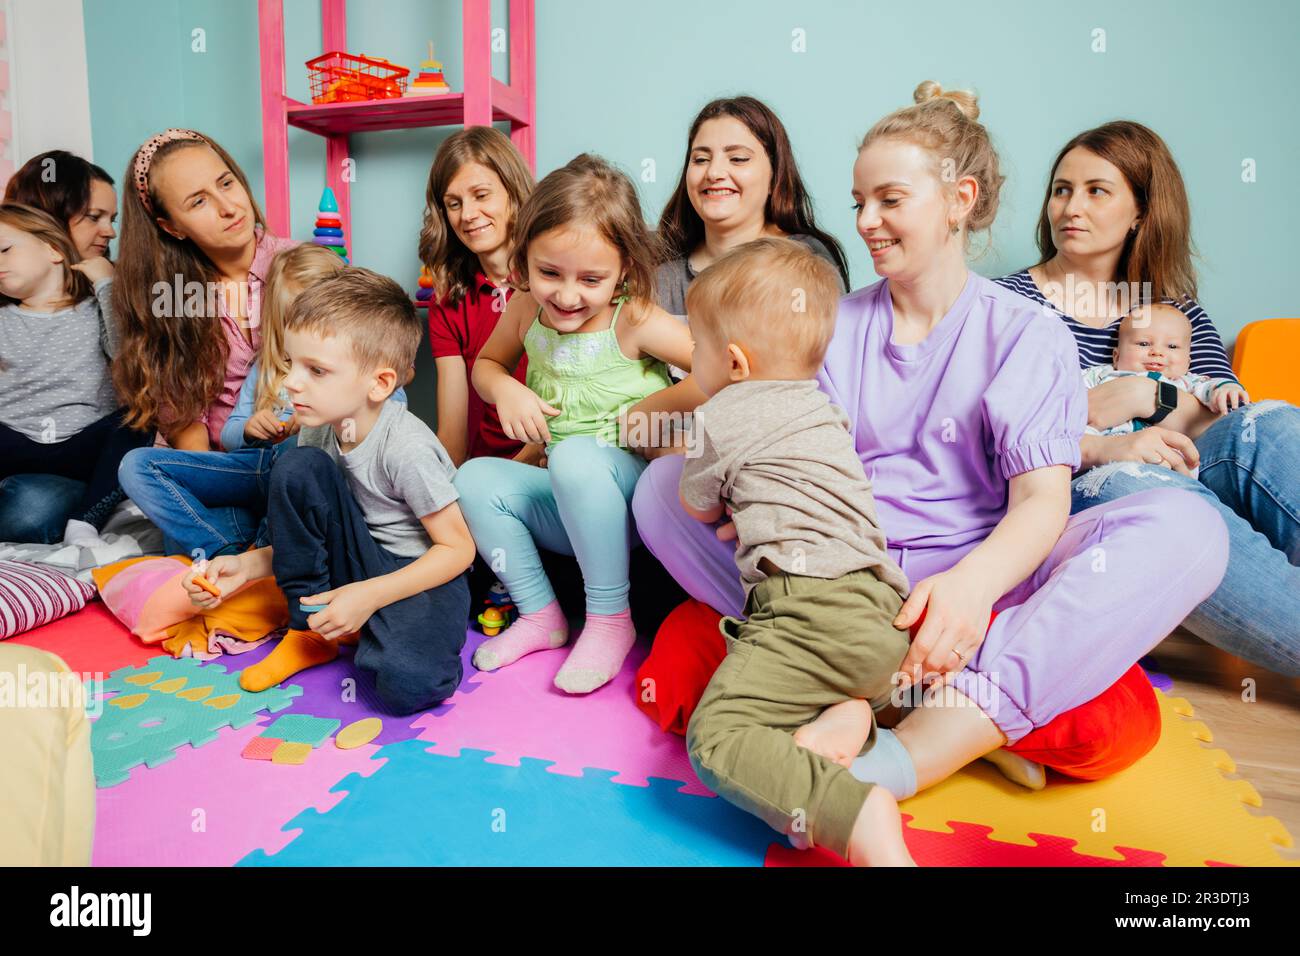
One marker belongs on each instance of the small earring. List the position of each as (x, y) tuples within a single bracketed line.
[(956, 228)]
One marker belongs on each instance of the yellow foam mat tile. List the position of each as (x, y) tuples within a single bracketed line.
[(1175, 801)]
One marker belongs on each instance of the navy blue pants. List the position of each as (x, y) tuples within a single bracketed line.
[(320, 542), (91, 456)]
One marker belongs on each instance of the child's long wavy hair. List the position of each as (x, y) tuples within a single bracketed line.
[(789, 206), (588, 190), (47, 229), (452, 264), (170, 367), (291, 272)]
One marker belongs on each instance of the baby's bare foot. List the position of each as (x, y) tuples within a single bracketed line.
[(838, 733)]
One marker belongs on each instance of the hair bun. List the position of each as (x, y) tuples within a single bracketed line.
[(964, 100)]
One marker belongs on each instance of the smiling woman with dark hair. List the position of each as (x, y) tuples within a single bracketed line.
[(739, 181)]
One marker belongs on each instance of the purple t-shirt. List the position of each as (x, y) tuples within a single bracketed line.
[(942, 425)]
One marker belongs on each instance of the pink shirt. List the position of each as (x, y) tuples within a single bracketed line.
[(242, 352)]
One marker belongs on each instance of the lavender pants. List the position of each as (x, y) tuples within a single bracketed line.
[(1122, 576)]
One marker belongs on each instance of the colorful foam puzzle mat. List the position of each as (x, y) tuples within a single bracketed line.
[(153, 708), (512, 771)]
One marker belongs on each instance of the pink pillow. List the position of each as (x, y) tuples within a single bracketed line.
[(32, 595), (145, 594)]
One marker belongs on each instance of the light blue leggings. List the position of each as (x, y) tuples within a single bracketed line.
[(577, 505)]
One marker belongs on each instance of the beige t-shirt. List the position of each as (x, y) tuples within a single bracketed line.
[(780, 454)]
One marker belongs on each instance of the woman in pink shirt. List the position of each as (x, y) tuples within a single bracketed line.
[(192, 258), (967, 411)]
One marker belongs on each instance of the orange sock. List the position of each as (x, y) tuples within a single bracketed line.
[(296, 651)]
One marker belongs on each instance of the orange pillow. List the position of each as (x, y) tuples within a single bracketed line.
[(1095, 739)]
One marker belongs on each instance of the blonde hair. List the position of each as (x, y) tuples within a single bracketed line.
[(43, 227), (945, 122), (371, 310), (291, 271), (774, 297), (589, 191)]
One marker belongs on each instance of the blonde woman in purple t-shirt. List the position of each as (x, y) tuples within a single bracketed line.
[(967, 412)]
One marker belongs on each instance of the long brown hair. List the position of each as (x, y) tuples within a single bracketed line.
[(169, 368), (789, 207), (588, 190), (453, 265), (291, 272), (1160, 250), (44, 227)]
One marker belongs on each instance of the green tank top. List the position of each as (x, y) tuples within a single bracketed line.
[(588, 378)]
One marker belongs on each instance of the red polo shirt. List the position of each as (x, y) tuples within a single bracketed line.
[(463, 330)]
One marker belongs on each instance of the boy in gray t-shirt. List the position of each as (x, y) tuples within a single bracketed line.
[(367, 541), (822, 592)]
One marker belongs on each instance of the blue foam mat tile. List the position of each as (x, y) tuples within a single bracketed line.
[(422, 809)]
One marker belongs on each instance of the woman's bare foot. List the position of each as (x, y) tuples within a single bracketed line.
[(838, 733), (1018, 769), (877, 838)]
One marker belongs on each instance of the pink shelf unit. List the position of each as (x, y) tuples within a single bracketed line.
[(483, 101)]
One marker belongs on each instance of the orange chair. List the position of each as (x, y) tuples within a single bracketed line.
[(1266, 359)]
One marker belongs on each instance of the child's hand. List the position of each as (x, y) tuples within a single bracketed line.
[(1230, 397), (523, 415), (347, 610), (265, 426), (226, 573), (95, 268)]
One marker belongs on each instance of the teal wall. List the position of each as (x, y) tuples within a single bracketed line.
[(1219, 82)]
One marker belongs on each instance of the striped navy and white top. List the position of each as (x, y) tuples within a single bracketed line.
[(1096, 346)]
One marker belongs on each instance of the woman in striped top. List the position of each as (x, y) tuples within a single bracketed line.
[(1115, 229)]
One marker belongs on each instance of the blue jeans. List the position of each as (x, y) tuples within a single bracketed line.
[(577, 505), (206, 503), (1250, 472), (34, 509)]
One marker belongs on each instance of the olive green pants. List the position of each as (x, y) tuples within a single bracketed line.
[(808, 643)]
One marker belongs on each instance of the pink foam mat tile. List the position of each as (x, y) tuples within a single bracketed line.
[(518, 712), (210, 807)]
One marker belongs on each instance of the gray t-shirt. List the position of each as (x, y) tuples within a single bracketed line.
[(54, 378), (781, 455), (674, 276), (398, 474)]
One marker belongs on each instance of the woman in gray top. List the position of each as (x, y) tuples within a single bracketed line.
[(739, 182)]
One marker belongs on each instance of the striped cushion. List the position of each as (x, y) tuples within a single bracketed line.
[(32, 595)]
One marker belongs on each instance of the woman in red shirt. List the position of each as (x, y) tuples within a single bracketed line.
[(477, 184)]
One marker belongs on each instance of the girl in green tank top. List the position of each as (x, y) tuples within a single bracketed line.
[(596, 344)]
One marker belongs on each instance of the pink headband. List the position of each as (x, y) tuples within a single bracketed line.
[(144, 159)]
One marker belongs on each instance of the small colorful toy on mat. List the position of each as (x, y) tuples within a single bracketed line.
[(329, 225), (425, 294), (430, 81), (500, 612)]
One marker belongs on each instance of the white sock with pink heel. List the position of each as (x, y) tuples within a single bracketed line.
[(598, 654), (536, 631)]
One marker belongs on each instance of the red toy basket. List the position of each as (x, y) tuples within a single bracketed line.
[(346, 78)]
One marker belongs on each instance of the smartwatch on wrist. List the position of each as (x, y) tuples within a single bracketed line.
[(1166, 399)]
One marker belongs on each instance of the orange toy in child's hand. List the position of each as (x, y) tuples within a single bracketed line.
[(207, 585)]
